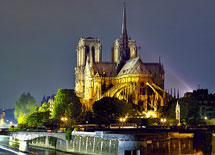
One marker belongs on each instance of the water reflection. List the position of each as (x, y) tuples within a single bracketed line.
[(203, 143), (44, 151), (171, 147)]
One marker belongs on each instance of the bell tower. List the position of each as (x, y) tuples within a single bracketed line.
[(86, 47)]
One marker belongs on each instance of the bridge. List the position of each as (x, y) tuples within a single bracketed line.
[(24, 137)]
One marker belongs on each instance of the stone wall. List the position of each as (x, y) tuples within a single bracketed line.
[(91, 143)]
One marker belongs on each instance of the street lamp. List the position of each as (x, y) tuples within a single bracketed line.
[(122, 120), (163, 121), (63, 119)]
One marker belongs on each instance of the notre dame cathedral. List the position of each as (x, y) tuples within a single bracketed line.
[(126, 77)]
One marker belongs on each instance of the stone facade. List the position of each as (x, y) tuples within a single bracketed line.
[(125, 77)]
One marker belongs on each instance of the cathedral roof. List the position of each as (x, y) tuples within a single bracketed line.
[(105, 68), (153, 68), (134, 66)]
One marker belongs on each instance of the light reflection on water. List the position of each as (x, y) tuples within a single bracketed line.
[(171, 147), (44, 151)]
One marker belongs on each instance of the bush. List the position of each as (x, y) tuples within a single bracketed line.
[(211, 121), (68, 134), (16, 129), (152, 121)]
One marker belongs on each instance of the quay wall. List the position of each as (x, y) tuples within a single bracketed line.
[(89, 143), (119, 144)]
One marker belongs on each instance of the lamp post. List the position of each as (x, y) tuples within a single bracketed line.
[(122, 120), (163, 121), (64, 119)]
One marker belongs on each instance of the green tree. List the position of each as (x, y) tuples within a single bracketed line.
[(86, 117), (108, 110), (38, 118), (189, 110), (44, 107), (68, 134), (211, 121), (66, 104), (24, 106)]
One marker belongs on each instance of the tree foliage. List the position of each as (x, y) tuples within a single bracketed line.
[(189, 110), (38, 118), (211, 121), (44, 107), (86, 117), (66, 104), (68, 134), (107, 110), (24, 106)]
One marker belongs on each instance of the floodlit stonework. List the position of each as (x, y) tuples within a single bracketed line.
[(125, 77)]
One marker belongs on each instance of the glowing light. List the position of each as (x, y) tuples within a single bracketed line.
[(64, 119), (206, 117), (163, 120), (122, 119), (151, 114), (184, 86)]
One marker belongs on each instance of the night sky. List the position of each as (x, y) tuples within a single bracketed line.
[(38, 41)]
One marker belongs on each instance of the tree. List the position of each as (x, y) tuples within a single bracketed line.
[(24, 106), (189, 110), (107, 110), (86, 117), (38, 118), (211, 121), (66, 104), (44, 107)]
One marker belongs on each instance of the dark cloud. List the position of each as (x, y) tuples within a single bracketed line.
[(38, 41)]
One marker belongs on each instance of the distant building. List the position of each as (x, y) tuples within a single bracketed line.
[(2, 117), (7, 116), (125, 77), (205, 100)]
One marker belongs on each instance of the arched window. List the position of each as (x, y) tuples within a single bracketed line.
[(87, 50), (93, 53)]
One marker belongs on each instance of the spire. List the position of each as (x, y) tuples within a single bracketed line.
[(124, 30), (178, 94), (124, 50), (124, 37), (177, 112)]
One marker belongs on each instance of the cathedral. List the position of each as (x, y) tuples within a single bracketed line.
[(126, 77)]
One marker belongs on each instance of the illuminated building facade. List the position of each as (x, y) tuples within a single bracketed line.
[(177, 112), (125, 77)]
